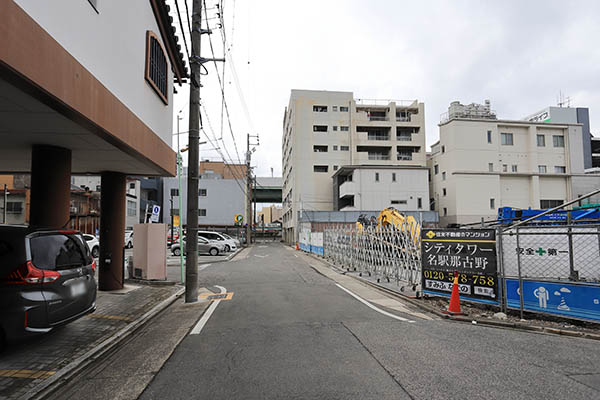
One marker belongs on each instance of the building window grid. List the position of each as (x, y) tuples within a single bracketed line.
[(541, 140), (506, 139), (558, 140), (489, 136), (542, 169)]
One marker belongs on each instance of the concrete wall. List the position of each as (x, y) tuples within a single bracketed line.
[(111, 44)]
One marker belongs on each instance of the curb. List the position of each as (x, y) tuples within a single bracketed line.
[(48, 386), (494, 323)]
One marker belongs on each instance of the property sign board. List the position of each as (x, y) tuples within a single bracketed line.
[(155, 217), (470, 252)]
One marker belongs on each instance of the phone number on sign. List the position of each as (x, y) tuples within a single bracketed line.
[(481, 280)]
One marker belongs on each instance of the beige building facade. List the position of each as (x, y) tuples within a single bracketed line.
[(481, 164), (323, 131)]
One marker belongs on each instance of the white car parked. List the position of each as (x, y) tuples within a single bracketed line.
[(229, 243), (237, 242), (93, 244)]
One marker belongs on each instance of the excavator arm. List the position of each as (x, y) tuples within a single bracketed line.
[(391, 216)]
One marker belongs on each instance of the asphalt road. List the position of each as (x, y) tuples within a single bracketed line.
[(289, 332)]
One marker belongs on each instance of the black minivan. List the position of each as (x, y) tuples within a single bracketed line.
[(46, 280)]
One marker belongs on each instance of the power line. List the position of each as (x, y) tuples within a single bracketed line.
[(181, 26), (222, 91)]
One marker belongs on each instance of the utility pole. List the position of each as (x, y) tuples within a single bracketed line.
[(249, 194), (191, 245)]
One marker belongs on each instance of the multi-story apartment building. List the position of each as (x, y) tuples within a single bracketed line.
[(482, 163), (324, 131)]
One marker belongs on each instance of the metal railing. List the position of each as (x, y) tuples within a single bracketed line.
[(379, 156), (403, 157)]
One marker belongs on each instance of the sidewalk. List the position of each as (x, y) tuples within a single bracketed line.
[(28, 366)]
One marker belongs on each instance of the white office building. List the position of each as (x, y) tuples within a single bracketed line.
[(324, 132), (482, 163)]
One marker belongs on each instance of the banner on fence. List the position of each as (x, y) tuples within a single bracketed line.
[(316, 243), (566, 299), (304, 240), (470, 252)]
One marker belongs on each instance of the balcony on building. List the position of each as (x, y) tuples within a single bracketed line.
[(369, 110), (373, 154), (369, 134), (405, 134), (347, 188), (406, 153)]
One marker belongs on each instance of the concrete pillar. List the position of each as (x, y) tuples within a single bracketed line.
[(50, 186), (112, 230)]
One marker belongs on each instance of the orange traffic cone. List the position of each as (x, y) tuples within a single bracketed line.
[(297, 247), (454, 307)]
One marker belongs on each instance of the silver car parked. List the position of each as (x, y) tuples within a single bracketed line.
[(205, 246)]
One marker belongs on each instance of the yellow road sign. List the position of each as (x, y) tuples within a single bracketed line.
[(176, 220)]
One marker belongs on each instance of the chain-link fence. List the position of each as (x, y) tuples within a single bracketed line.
[(384, 253), (554, 253)]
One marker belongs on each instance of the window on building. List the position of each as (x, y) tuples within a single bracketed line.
[(320, 149), (489, 136), (157, 71), (343, 109), (202, 192), (558, 140), (393, 177), (333, 108), (319, 128), (504, 168), (349, 178), (319, 108), (444, 191), (344, 148), (513, 168), (344, 128), (335, 128), (131, 208), (550, 203), (376, 176), (132, 185), (491, 167), (444, 175), (560, 169), (542, 169), (335, 147), (419, 203), (492, 204), (506, 139), (541, 140), (320, 168), (335, 167), (399, 201), (436, 169), (14, 207), (443, 149), (202, 212), (445, 211), (174, 192)]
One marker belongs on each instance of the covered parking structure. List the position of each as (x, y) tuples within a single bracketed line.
[(69, 104)]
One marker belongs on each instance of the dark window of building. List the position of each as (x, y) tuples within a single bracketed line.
[(320, 108), (445, 211), (335, 128), (335, 167), (419, 203), (376, 176), (320, 149), (202, 212), (157, 67), (399, 201), (320, 168), (443, 149), (443, 191), (344, 148), (132, 185), (319, 128), (174, 192), (436, 169), (202, 192), (506, 139), (489, 136), (560, 169), (558, 140), (492, 203), (541, 140), (335, 147), (393, 177), (14, 207), (343, 109), (344, 128), (550, 203)]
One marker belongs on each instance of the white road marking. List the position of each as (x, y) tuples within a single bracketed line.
[(372, 306), (198, 328), (258, 255), (201, 267)]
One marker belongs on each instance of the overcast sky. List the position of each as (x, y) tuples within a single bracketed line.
[(518, 54)]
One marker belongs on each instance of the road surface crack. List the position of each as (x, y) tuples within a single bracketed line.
[(378, 362)]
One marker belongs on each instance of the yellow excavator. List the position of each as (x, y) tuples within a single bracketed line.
[(393, 217)]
